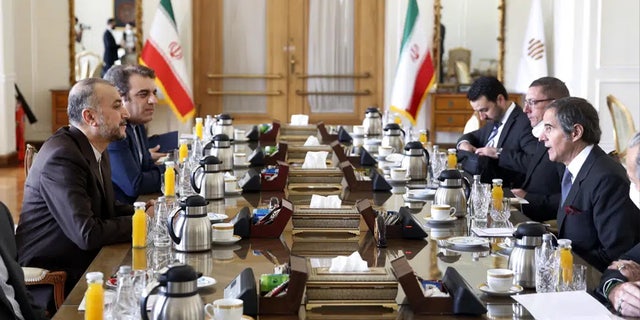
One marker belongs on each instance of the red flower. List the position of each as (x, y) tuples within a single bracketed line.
[(571, 210)]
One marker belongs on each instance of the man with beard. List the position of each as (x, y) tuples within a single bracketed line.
[(69, 211), (133, 162)]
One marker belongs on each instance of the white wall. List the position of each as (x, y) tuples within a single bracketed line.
[(35, 53)]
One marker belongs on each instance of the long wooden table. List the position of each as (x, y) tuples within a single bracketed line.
[(429, 258)]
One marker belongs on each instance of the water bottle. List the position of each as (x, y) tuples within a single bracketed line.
[(160, 232), (474, 197), (126, 302), (196, 150), (546, 265), (208, 128), (184, 180)]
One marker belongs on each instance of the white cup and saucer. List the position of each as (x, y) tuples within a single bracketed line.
[(500, 282), (225, 309), (222, 233), (441, 213)]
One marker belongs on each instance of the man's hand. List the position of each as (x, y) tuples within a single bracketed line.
[(150, 208), (155, 155), (625, 299), (466, 146), (519, 193), (630, 269), (490, 152)]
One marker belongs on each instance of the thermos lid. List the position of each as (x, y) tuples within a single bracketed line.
[(392, 126), (450, 174), (195, 200), (372, 110), (210, 160), (220, 137), (224, 116), (529, 229), (179, 273), (413, 145)]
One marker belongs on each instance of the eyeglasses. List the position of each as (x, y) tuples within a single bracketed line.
[(533, 102)]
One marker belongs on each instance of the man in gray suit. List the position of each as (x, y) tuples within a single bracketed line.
[(68, 210), (15, 302)]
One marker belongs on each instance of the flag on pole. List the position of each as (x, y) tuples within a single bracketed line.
[(533, 60), (163, 53), (415, 72)]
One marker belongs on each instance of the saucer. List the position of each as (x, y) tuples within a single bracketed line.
[(513, 290), (434, 221), (397, 181), (242, 165), (245, 139), (217, 217), (233, 192), (231, 240), (205, 281), (466, 242)]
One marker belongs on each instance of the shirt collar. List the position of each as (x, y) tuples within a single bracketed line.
[(576, 164), (96, 153), (537, 130), (507, 114)]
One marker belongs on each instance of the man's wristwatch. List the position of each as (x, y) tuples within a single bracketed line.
[(498, 152)]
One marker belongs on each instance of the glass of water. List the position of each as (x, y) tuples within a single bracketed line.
[(547, 267)]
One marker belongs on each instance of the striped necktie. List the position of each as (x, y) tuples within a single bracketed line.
[(492, 135), (566, 185)]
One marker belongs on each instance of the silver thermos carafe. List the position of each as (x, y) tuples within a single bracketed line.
[(522, 259), (189, 225), (372, 122), (224, 125), (220, 146), (451, 191), (415, 160), (178, 296), (207, 179), (393, 137)]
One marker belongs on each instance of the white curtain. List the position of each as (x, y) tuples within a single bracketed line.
[(331, 51), (244, 52)]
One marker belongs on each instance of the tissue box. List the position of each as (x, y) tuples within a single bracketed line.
[(345, 219), (296, 153), (378, 286), (331, 175), (322, 244)]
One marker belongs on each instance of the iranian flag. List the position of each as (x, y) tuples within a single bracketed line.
[(415, 73), (163, 53)]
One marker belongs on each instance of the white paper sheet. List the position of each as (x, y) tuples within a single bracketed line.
[(493, 232), (563, 305)]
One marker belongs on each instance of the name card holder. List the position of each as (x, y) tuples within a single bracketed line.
[(279, 155), (340, 156), (325, 136), (290, 302), (279, 182), (461, 299), (407, 227), (375, 183), (245, 228), (272, 134)]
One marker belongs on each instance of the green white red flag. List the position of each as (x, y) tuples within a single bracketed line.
[(163, 53), (415, 73)]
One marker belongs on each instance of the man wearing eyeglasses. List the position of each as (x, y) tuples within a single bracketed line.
[(505, 142), (541, 187)]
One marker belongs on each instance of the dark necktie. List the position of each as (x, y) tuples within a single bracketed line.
[(137, 136), (566, 185), (492, 135)]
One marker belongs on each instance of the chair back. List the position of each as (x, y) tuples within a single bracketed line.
[(88, 65), (459, 58), (29, 156), (472, 124), (623, 126)]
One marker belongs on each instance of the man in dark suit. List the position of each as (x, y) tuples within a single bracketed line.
[(541, 187), (110, 46), (134, 171), (15, 301), (69, 211), (595, 211), (620, 283), (504, 142)]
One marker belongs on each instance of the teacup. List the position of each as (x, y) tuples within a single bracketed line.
[(500, 280), (359, 130), (222, 231), (384, 151), (239, 158), (442, 211), (230, 184), (225, 309), (239, 134), (398, 173)]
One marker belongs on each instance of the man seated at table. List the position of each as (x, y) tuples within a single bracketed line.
[(16, 303), (134, 171), (504, 142), (620, 283), (69, 211), (595, 210), (541, 187)]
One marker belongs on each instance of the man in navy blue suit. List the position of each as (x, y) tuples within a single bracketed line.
[(595, 210), (133, 168), (110, 46)]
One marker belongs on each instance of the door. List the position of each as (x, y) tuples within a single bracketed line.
[(261, 60)]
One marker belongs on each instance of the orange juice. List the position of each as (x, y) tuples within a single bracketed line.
[(452, 159), (139, 258), (169, 179), (566, 260), (199, 128), (139, 226), (497, 194), (94, 297), (423, 137), (183, 151)]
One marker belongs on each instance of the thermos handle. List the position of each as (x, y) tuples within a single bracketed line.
[(145, 297), (403, 133), (209, 145), (193, 179), (173, 235)]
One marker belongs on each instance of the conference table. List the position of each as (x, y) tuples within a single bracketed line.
[(428, 257)]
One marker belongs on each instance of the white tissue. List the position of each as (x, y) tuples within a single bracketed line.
[(332, 202), (299, 119), (312, 141), (352, 263), (315, 160)]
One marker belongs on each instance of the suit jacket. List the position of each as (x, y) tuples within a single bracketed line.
[(598, 215), (543, 186), (110, 50), (518, 145), (67, 214), (633, 254), (131, 177), (9, 254)]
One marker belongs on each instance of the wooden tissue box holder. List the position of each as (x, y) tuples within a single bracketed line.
[(290, 302)]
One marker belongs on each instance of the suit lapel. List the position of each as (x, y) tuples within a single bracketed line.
[(87, 151), (541, 150), (507, 125)]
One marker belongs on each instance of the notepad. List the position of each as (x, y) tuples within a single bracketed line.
[(167, 141)]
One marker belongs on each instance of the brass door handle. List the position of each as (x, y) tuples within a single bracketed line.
[(292, 64)]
